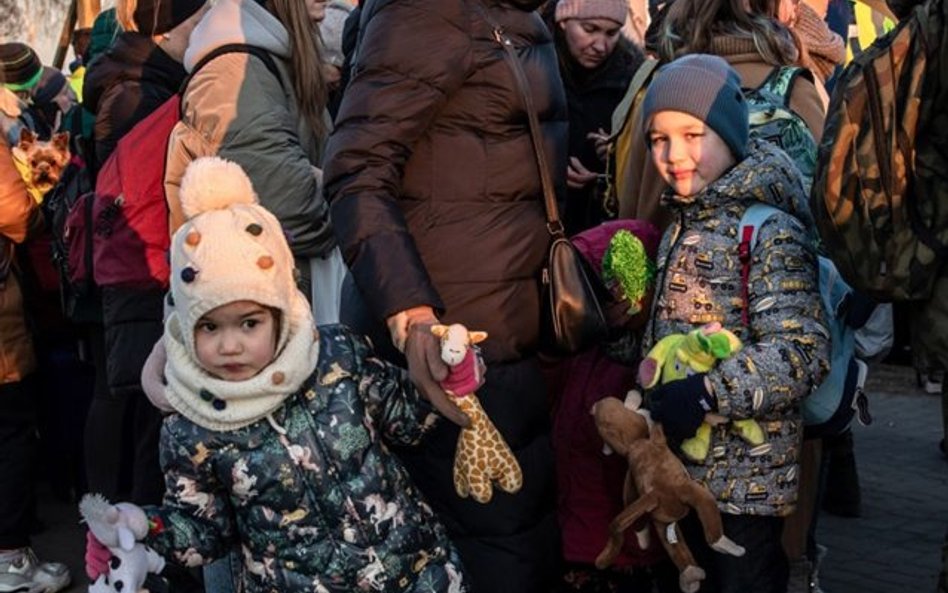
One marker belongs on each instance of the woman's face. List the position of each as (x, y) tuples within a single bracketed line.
[(316, 10), (591, 41)]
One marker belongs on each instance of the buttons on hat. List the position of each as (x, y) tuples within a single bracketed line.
[(193, 238), (188, 274), (265, 262), (206, 395), (277, 378), (254, 229)]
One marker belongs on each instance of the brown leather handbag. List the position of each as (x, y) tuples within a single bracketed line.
[(572, 316)]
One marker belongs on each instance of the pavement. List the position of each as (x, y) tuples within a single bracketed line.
[(894, 547)]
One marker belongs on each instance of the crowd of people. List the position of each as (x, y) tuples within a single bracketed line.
[(279, 407)]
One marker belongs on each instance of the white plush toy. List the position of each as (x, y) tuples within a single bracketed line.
[(120, 527)]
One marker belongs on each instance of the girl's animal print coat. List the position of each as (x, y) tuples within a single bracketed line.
[(312, 496)]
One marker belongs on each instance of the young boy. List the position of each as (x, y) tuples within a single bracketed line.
[(277, 444), (696, 122)]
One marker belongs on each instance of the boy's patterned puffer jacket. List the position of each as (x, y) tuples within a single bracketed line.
[(312, 498), (786, 344)]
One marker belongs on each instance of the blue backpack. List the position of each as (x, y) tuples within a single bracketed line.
[(831, 407)]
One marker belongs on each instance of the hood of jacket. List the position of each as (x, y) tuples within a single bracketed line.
[(237, 21), (767, 175), (133, 57)]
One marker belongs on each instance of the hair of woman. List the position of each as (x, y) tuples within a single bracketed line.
[(690, 26), (124, 14), (306, 60)]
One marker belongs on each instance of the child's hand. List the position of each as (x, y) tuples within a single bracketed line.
[(426, 370), (97, 557), (681, 405)]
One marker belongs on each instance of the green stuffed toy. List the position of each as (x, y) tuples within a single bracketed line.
[(679, 355), (626, 265)]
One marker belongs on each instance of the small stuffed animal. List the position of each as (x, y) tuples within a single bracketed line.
[(658, 484), (41, 163), (678, 355), (120, 527), (482, 455)]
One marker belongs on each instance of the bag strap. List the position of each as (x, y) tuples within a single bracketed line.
[(623, 111), (235, 48), (748, 228), (553, 223)]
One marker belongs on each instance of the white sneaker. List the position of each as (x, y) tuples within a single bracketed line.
[(22, 572)]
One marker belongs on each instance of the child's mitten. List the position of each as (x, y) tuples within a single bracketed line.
[(681, 405)]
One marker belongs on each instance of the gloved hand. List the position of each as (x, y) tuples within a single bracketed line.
[(681, 405), (427, 370), (97, 557)]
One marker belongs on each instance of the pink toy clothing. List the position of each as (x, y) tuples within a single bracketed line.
[(465, 377)]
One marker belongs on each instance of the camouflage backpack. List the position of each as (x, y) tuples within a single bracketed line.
[(880, 195), (771, 119)]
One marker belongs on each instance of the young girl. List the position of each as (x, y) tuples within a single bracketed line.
[(696, 123), (276, 446)]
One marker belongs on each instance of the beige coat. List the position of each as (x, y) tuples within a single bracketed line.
[(640, 190), (235, 108)]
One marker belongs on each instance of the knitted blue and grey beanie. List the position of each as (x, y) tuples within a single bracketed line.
[(706, 87)]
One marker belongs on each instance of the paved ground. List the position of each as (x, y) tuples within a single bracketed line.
[(893, 548)]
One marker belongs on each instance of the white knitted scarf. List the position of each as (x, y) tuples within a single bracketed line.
[(221, 405)]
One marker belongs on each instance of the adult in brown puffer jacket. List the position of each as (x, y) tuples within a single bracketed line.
[(437, 204), (753, 43)]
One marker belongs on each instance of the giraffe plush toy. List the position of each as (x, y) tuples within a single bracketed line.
[(482, 456)]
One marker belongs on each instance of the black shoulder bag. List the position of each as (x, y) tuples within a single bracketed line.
[(572, 317)]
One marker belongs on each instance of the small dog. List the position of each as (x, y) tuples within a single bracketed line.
[(41, 163)]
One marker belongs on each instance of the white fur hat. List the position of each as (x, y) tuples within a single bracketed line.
[(230, 249)]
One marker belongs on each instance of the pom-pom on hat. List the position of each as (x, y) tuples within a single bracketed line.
[(614, 10), (230, 249), (706, 87)]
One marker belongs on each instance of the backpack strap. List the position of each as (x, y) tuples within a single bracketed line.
[(626, 106), (235, 48), (779, 83), (748, 228)]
